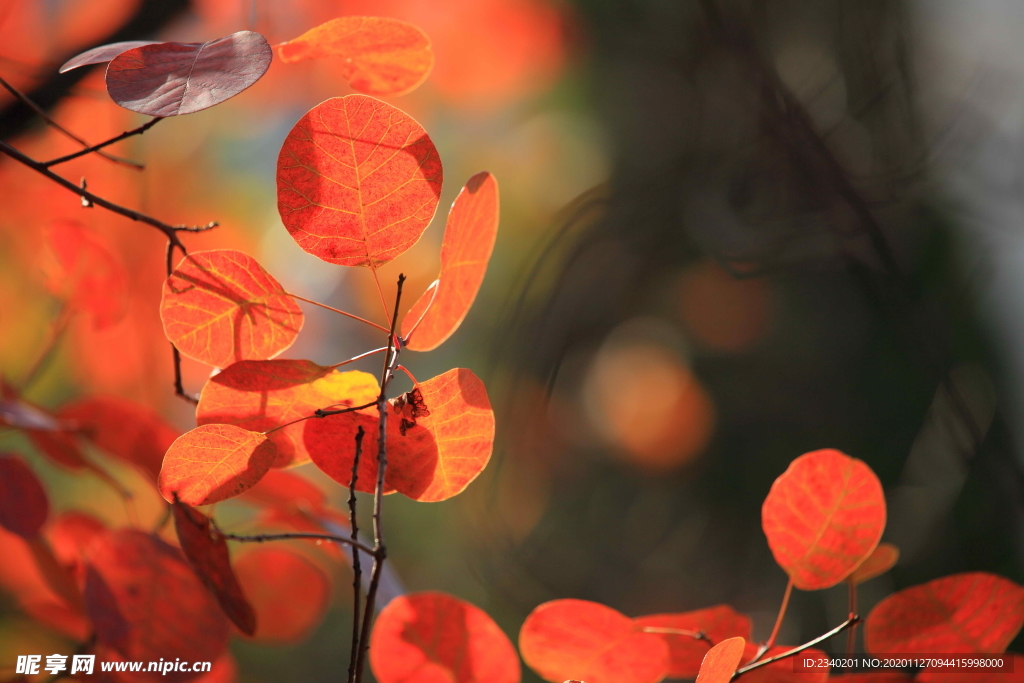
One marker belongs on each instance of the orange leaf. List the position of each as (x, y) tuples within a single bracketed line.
[(86, 274), (262, 395), (128, 431), (823, 517), (24, 506), (440, 437), (721, 661), (357, 181), (207, 551), (70, 534), (881, 560), (687, 652), (146, 603), (221, 306), (970, 612), (586, 641), (468, 242), (60, 446), (382, 56), (290, 594), (432, 636), (213, 463)]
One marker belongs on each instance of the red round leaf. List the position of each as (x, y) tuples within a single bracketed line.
[(970, 612), (262, 395), (214, 462), (468, 242), (24, 506), (433, 636), (586, 641), (357, 181), (103, 53), (207, 551), (146, 603), (721, 662), (168, 79), (126, 430), (686, 651), (286, 490), (288, 592), (220, 307), (881, 560), (823, 516), (382, 56)]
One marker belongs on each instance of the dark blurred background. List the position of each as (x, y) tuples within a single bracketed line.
[(732, 232)]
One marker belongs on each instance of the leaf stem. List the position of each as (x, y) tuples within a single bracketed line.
[(289, 536), (851, 635), (778, 624), (321, 412), (852, 620), (97, 147), (359, 357), (380, 293), (408, 374), (697, 635), (337, 310)]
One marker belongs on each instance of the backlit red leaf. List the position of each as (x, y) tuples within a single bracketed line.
[(468, 242), (286, 490), (357, 181), (586, 641), (382, 56), (70, 535), (440, 438), (262, 395), (433, 636), (146, 603), (126, 430), (214, 462), (207, 551), (687, 651), (168, 79), (24, 506), (60, 446), (85, 273), (970, 612), (221, 306), (823, 516), (721, 662), (288, 592), (103, 53), (881, 560)]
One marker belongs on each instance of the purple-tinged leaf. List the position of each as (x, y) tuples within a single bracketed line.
[(103, 53), (168, 79)]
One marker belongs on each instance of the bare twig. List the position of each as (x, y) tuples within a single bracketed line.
[(851, 636), (853, 620), (380, 550), (170, 231), (290, 536), (357, 570), (41, 113), (97, 147), (696, 635)]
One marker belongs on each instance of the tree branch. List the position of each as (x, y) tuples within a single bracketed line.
[(97, 147), (357, 570), (290, 536), (851, 621)]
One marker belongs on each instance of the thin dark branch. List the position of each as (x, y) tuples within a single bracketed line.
[(97, 147), (290, 536), (380, 551), (696, 635), (321, 412), (853, 620), (41, 113), (357, 570), (171, 231)]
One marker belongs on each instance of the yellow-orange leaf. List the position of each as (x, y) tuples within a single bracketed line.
[(881, 560), (262, 395), (214, 462), (721, 661), (440, 437), (382, 56), (357, 181), (468, 242), (221, 306), (823, 516)]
